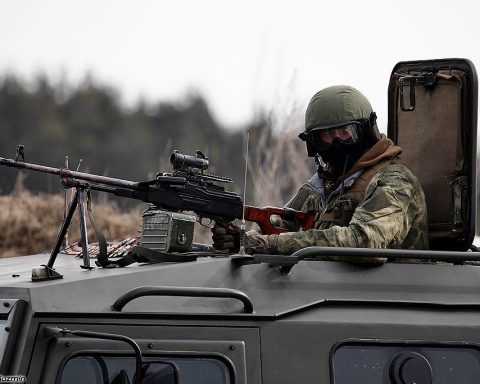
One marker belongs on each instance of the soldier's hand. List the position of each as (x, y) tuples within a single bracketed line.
[(226, 238)]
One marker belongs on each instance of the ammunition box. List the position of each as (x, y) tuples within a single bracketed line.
[(167, 231)]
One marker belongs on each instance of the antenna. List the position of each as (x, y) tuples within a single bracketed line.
[(242, 226), (79, 164)]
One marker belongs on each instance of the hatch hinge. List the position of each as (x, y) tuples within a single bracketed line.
[(459, 185)]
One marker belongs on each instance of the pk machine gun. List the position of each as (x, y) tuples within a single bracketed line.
[(165, 228), (187, 188)]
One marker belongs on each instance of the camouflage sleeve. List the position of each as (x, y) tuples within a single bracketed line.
[(382, 220), (306, 199)]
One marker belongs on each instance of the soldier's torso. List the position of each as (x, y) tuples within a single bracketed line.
[(338, 208)]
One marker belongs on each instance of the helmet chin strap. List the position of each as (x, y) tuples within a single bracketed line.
[(343, 175)]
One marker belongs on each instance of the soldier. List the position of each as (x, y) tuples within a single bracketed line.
[(363, 195)]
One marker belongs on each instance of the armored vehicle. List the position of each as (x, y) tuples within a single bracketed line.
[(278, 319)]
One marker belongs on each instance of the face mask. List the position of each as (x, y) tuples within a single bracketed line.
[(340, 157)]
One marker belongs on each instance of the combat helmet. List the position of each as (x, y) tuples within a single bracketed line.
[(339, 106)]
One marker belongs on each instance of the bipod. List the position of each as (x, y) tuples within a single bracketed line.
[(46, 272)]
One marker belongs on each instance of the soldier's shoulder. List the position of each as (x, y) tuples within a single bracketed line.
[(397, 173), (397, 169)]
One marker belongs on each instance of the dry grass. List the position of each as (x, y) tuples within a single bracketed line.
[(30, 223)]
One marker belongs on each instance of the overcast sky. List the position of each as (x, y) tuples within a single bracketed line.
[(242, 55)]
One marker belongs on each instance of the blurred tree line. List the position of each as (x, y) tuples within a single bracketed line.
[(88, 122)]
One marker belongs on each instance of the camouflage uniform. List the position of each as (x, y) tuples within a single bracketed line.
[(372, 200), (390, 214)]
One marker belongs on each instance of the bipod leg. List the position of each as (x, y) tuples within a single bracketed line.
[(63, 229), (83, 230), (46, 272)]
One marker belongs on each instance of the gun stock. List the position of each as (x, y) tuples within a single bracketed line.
[(262, 217)]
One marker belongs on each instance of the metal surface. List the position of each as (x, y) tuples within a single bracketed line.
[(183, 291), (286, 262), (14, 311), (273, 293), (302, 314)]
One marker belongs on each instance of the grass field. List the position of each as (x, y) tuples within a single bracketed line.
[(29, 223)]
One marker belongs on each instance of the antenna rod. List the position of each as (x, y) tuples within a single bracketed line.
[(79, 164), (242, 226)]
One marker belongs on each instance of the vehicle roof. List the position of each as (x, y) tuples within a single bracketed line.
[(273, 293)]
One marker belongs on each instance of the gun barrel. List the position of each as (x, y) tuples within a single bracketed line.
[(66, 173)]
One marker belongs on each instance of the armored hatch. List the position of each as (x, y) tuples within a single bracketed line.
[(432, 116)]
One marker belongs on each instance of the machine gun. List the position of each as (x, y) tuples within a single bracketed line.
[(187, 188)]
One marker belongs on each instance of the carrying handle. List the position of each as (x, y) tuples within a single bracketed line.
[(426, 78), (183, 291), (411, 81)]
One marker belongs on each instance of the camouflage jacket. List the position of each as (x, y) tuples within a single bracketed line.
[(390, 214)]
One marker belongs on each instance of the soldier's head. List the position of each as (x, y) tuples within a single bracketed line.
[(340, 126)]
